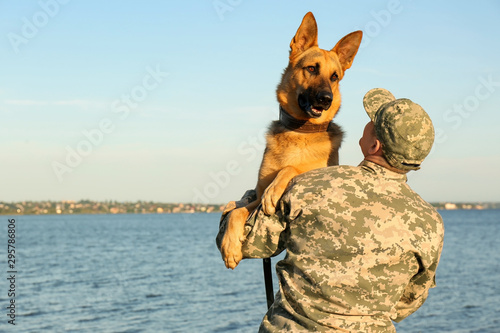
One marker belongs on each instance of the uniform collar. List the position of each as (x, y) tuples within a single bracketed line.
[(382, 171)]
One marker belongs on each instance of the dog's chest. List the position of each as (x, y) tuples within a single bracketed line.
[(291, 148)]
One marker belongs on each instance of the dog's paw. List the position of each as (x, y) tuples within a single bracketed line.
[(267, 206), (270, 199), (231, 251)]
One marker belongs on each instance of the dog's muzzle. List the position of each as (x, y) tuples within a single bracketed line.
[(314, 103)]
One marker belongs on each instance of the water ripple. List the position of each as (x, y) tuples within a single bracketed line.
[(162, 273)]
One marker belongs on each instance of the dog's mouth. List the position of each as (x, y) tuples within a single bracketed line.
[(316, 112), (313, 110)]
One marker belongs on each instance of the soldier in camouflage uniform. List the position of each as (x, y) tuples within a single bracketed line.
[(362, 247)]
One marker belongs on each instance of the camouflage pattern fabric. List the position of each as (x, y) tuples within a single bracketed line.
[(403, 127), (362, 250)]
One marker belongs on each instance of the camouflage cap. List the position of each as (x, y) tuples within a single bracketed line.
[(403, 127)]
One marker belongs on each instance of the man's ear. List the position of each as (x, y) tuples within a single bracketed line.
[(306, 36), (376, 148)]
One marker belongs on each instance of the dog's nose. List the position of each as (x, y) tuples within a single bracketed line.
[(325, 98)]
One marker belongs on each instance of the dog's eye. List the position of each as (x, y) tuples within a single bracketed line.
[(311, 69), (334, 77)]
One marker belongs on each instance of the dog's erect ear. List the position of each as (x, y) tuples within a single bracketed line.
[(347, 48), (306, 36)]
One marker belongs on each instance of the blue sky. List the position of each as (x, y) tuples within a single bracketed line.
[(168, 101)]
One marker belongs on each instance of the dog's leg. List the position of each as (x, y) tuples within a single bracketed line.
[(333, 159), (234, 235), (275, 190)]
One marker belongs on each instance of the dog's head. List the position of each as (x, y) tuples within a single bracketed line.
[(309, 88)]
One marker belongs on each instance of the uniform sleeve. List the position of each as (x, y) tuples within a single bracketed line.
[(415, 293), (417, 290), (264, 234)]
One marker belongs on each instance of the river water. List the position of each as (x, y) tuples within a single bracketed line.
[(163, 273)]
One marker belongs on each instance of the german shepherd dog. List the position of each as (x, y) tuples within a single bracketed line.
[(305, 138)]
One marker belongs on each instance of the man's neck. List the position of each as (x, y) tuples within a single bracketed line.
[(380, 160)]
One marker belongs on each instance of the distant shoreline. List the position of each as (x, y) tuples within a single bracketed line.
[(150, 207)]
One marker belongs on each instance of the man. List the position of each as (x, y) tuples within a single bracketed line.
[(362, 247)]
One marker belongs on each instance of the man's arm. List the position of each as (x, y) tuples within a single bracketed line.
[(417, 290), (263, 233), (415, 294)]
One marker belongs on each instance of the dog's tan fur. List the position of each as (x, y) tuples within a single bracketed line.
[(289, 153)]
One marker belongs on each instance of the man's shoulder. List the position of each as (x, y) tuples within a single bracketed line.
[(427, 212), (325, 179), (330, 176), (330, 172)]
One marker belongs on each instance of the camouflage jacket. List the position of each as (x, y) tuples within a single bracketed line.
[(362, 250)]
